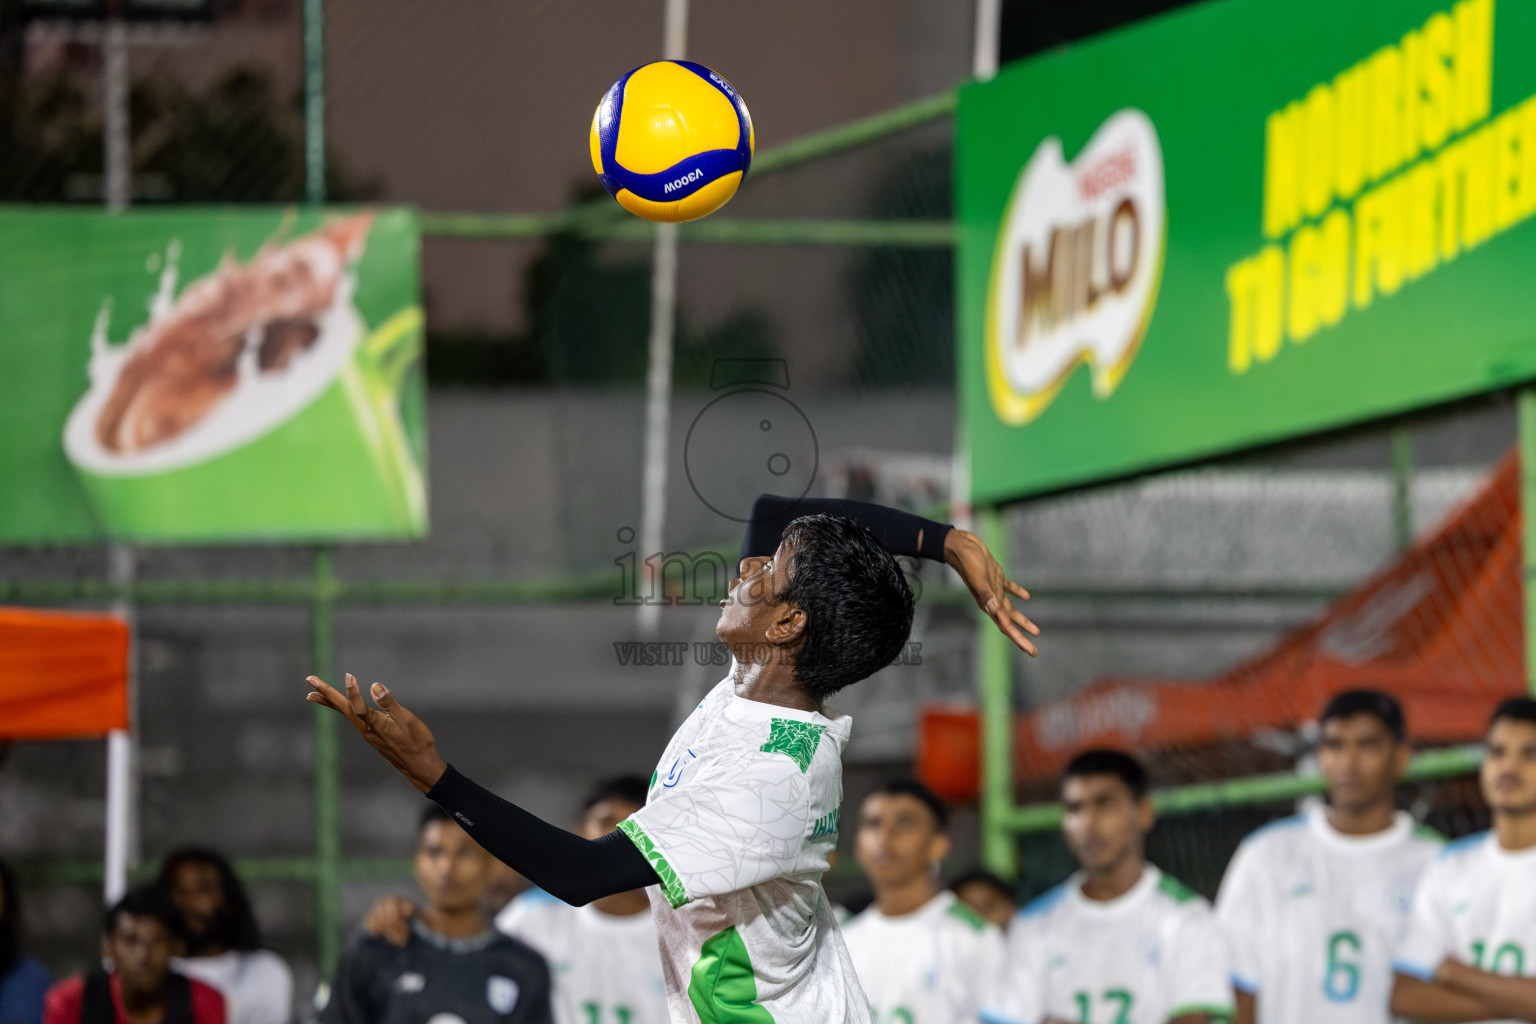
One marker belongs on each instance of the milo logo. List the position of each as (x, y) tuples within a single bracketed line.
[(1076, 268)]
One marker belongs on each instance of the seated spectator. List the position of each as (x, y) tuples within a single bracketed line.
[(454, 968), (141, 933), (223, 939), (23, 981)]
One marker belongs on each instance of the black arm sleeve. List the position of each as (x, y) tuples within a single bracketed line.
[(898, 531), (561, 863)]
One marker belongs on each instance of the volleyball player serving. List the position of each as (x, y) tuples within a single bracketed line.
[(734, 836)]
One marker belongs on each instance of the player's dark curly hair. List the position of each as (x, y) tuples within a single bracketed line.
[(236, 926), (856, 601), (147, 901)]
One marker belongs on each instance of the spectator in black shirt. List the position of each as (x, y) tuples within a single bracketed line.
[(456, 968)]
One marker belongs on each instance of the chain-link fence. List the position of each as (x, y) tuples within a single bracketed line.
[(536, 350)]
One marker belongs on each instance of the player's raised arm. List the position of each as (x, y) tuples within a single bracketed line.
[(902, 533), (565, 865)]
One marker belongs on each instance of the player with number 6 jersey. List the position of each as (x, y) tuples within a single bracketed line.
[(1314, 905)]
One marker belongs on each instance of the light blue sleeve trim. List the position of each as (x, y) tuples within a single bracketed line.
[(988, 1017), (1243, 984), (1413, 970), (1040, 904)]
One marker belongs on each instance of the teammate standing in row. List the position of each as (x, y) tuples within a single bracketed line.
[(1470, 950), (1119, 942), (922, 956), (1314, 905), (602, 957)]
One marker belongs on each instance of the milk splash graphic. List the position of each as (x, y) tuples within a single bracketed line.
[(260, 400)]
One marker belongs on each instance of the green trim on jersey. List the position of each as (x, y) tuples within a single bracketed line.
[(1181, 893), (969, 916), (722, 985), (671, 885), (795, 740), (1216, 1013)]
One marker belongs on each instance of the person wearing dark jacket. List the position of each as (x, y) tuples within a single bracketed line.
[(455, 968)]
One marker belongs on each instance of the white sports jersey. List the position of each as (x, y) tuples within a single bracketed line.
[(1152, 954), (1477, 903), (739, 821), (603, 968), (1313, 916), (932, 966)]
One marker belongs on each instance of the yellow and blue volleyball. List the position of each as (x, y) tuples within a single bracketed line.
[(672, 140)]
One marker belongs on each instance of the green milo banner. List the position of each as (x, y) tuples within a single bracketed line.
[(1240, 223), (210, 375)]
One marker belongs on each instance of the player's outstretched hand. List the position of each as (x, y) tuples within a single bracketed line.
[(403, 739), (968, 556)]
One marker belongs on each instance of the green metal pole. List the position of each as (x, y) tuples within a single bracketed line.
[(327, 874), (994, 683), (1402, 487), (1528, 525), (314, 101), (920, 234)]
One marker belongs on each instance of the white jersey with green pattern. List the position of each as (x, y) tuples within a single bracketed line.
[(932, 966), (603, 968), (738, 824), (1313, 916), (1152, 954), (1476, 902)]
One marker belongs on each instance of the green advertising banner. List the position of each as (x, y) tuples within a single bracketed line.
[(210, 375), (1239, 223)]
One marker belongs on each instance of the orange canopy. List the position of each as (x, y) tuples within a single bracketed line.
[(1441, 628), (62, 675)]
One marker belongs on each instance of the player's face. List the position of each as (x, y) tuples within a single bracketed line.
[(196, 889), (1361, 761), (604, 816), (1509, 769), (988, 902), (451, 868), (140, 948), (755, 604), (898, 839), (1104, 823)]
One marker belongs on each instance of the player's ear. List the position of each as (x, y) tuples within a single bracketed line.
[(938, 848), (1146, 814), (1400, 758), (789, 625)]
